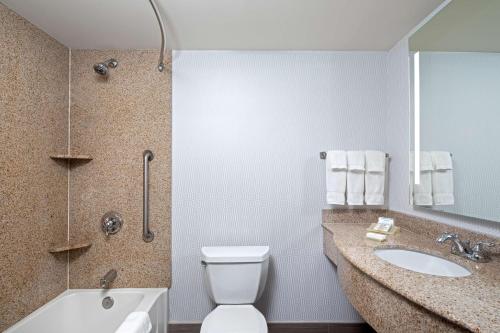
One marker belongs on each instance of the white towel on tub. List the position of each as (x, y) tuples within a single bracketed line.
[(355, 177), (375, 177), (336, 173), (136, 322), (442, 178)]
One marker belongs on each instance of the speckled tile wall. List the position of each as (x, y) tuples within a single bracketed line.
[(33, 188), (114, 120)]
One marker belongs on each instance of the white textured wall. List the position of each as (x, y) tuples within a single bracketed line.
[(247, 131), (398, 126)]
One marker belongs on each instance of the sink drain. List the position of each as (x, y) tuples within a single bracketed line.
[(107, 302)]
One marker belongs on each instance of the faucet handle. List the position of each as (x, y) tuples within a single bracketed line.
[(479, 253), (445, 236), (480, 246)]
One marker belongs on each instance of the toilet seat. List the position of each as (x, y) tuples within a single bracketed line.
[(234, 319)]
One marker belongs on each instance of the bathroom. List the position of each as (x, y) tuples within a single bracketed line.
[(249, 166)]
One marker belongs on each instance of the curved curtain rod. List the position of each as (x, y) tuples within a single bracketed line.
[(161, 65)]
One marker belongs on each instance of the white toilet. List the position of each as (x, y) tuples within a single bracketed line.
[(235, 278)]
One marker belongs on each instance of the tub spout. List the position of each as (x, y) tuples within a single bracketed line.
[(107, 279)]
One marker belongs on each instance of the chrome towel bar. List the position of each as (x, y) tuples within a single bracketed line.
[(322, 155)]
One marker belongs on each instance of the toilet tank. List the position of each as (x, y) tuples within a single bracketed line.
[(235, 274)]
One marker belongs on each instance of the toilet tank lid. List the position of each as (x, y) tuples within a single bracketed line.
[(234, 254)]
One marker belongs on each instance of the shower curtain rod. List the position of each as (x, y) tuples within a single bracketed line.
[(161, 65)]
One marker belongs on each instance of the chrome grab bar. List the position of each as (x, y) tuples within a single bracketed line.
[(147, 235)]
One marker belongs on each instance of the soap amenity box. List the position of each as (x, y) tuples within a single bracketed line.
[(379, 231), (372, 228)]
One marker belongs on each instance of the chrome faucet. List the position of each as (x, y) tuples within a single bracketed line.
[(461, 248), (458, 246), (107, 279)]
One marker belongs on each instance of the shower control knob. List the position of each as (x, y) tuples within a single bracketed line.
[(111, 223)]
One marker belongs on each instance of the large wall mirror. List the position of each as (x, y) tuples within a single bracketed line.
[(455, 80)]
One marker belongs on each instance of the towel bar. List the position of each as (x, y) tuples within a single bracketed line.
[(322, 155)]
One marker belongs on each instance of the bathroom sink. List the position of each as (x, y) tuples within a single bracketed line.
[(421, 262)]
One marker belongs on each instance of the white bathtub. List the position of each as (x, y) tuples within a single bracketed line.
[(81, 311)]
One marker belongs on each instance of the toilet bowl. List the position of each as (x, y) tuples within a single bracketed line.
[(235, 277), (234, 319)]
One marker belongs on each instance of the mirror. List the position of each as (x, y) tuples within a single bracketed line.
[(455, 98)]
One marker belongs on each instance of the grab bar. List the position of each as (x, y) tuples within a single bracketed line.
[(147, 235)]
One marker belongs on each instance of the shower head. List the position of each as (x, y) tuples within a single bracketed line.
[(103, 67)]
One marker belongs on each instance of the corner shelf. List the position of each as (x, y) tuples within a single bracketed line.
[(71, 157), (58, 248)]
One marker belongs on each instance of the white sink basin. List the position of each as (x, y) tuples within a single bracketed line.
[(421, 262)]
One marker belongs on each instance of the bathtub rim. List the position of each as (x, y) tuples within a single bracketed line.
[(151, 295)]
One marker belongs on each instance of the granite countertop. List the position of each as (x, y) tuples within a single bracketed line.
[(472, 302)]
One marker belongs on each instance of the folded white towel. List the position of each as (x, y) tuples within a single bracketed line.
[(441, 160), (442, 178), (425, 161), (374, 188), (422, 193), (355, 177), (336, 159), (356, 160), (374, 177), (355, 187), (442, 187), (335, 186), (335, 198), (375, 161), (136, 322), (336, 173)]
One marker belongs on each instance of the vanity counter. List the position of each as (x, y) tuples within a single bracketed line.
[(472, 302)]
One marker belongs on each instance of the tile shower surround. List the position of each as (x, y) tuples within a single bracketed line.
[(33, 188), (112, 119)]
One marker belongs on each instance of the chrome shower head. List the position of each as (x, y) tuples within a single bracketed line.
[(103, 67)]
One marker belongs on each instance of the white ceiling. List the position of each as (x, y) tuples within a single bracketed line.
[(228, 24), (463, 25)]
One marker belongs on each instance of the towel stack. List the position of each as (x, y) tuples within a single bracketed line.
[(360, 174), (436, 179)]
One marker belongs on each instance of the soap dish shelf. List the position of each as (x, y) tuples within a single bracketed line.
[(71, 157), (71, 246)]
